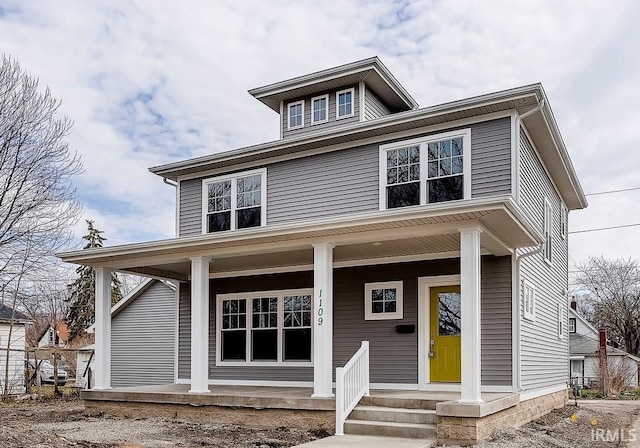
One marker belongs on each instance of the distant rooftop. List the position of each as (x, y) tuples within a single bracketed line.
[(8, 314), (372, 71)]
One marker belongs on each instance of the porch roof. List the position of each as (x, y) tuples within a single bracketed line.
[(431, 230)]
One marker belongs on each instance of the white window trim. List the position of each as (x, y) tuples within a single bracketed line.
[(326, 116), (232, 177), (423, 142), (575, 324), (249, 322), (548, 232), (369, 287), (353, 103), (564, 220), (289, 106), (561, 325), (528, 312)]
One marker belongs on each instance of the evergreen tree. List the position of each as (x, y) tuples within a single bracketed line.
[(81, 298)]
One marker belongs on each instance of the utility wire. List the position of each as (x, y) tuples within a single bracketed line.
[(613, 191), (605, 228)]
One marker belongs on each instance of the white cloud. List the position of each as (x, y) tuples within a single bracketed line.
[(157, 81)]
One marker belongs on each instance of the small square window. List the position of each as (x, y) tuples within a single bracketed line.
[(296, 115), (383, 300), (319, 109), (344, 103)]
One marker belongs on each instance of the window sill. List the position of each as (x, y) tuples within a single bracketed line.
[(344, 116), (295, 127), (263, 364)]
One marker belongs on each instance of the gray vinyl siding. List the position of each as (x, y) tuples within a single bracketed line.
[(143, 339), (373, 107), (394, 356), (345, 182), (190, 207), (332, 121), (496, 325), (544, 357)]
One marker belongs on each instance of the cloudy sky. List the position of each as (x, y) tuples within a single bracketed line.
[(151, 82)]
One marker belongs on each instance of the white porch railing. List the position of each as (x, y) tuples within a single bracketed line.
[(352, 383)]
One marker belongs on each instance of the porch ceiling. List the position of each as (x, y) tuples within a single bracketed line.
[(429, 231)]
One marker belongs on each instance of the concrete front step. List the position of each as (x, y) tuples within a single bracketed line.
[(390, 429), (395, 415), (399, 402)]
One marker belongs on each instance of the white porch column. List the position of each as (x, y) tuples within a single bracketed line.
[(323, 320), (470, 310), (199, 325), (103, 329)]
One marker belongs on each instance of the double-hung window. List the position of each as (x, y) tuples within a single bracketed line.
[(264, 328), (234, 202), (528, 300), (426, 170), (344, 103), (320, 109), (296, 115)]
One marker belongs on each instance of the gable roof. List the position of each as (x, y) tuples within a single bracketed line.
[(8, 314), (61, 329), (377, 77), (586, 346)]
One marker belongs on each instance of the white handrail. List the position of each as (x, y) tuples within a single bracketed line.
[(352, 383)]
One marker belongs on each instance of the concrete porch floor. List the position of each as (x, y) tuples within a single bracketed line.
[(264, 396)]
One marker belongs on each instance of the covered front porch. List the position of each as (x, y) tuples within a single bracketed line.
[(462, 234)]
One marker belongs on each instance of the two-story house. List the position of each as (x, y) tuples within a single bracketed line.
[(437, 234)]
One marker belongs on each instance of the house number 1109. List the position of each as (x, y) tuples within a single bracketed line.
[(320, 309)]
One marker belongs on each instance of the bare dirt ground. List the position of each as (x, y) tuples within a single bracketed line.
[(62, 424)]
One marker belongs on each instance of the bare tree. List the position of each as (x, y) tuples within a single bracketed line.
[(612, 298), (38, 204)]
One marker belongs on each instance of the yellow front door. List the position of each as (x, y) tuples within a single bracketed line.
[(444, 337)]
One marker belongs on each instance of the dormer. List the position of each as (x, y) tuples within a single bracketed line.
[(338, 96)]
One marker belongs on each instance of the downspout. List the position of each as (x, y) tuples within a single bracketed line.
[(176, 185), (517, 321)]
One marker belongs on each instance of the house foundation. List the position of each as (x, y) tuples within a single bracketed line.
[(461, 424)]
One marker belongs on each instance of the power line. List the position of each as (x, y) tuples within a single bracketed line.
[(613, 191), (605, 228)]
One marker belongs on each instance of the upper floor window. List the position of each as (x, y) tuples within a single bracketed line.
[(426, 170), (548, 233), (319, 109), (572, 325), (344, 103), (296, 115), (564, 217), (234, 202)]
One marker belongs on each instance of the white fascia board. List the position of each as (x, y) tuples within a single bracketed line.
[(503, 202)]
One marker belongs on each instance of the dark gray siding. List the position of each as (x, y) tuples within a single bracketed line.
[(543, 355), (143, 339), (394, 357), (332, 123), (345, 182), (373, 107)]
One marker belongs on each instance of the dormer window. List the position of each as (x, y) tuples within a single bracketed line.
[(234, 202), (344, 103), (319, 109), (296, 115)]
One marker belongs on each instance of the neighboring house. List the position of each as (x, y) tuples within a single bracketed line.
[(55, 335), (437, 234), (14, 339), (142, 339), (584, 353)]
